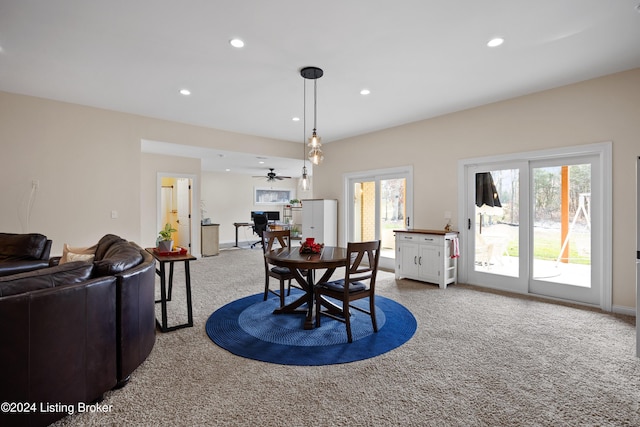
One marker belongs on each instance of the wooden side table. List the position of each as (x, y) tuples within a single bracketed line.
[(171, 259)]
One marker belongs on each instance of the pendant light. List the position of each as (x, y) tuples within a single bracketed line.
[(315, 152)]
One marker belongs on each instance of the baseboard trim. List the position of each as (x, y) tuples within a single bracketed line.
[(627, 311)]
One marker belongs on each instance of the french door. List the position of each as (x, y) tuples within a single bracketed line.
[(379, 202), (537, 225)]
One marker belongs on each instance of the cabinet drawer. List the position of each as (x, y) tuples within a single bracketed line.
[(431, 239), (406, 237)]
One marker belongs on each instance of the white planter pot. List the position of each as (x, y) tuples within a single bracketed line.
[(165, 245)]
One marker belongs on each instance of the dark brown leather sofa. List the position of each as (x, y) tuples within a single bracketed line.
[(73, 331), (23, 252)]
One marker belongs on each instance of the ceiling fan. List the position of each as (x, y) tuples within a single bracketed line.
[(272, 176)]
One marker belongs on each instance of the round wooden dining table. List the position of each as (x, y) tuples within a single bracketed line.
[(330, 258)]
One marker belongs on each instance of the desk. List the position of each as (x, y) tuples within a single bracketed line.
[(272, 226), (241, 224), (171, 259), (330, 258)]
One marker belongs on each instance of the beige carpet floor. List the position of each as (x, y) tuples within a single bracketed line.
[(478, 358)]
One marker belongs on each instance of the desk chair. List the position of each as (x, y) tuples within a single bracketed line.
[(259, 226), (359, 282)]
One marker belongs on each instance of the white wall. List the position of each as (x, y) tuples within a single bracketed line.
[(88, 163), (229, 198)]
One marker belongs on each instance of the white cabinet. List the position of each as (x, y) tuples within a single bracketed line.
[(320, 220), (426, 255)]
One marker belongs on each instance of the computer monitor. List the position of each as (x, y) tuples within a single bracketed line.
[(271, 215)]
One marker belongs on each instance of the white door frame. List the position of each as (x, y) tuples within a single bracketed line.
[(375, 175), (603, 151), (195, 213)]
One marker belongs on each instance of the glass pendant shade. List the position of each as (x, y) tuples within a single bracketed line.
[(305, 180), (316, 156), (314, 141)]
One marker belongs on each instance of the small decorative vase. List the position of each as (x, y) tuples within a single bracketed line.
[(165, 245)]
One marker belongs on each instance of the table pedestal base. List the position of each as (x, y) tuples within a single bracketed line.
[(296, 307)]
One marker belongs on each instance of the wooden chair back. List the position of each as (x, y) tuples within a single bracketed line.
[(363, 263), (269, 238)]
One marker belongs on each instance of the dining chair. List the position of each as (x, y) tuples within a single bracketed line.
[(359, 282), (260, 224), (269, 238)]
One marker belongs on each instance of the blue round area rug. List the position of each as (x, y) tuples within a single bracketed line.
[(247, 327)]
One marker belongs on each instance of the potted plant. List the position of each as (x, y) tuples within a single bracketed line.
[(295, 231), (165, 241), (295, 203)]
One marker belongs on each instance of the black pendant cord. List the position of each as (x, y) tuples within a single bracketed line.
[(304, 122), (315, 105)]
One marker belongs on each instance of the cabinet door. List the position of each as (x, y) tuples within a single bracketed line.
[(308, 226), (429, 263), (409, 254)]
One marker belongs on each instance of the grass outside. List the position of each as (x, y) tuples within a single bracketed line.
[(547, 245)]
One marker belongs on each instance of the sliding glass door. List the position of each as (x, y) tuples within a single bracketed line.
[(497, 230), (537, 225), (562, 196)]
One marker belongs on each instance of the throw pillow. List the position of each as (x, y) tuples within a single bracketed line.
[(70, 254)]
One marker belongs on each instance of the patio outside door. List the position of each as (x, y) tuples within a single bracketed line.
[(562, 238), (380, 203), (496, 228), (537, 226)]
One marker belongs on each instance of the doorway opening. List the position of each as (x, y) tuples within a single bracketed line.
[(378, 203), (175, 207)]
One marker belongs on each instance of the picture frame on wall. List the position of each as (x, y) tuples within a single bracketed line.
[(272, 196)]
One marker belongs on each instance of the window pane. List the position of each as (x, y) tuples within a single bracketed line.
[(497, 214), (562, 224)]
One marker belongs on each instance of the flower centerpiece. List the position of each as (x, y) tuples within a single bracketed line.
[(309, 246)]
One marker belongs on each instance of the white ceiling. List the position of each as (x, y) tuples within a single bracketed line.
[(419, 58)]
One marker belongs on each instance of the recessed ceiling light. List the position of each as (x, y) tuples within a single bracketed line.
[(495, 42), (185, 92), (296, 119), (365, 92), (227, 170), (236, 43)]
